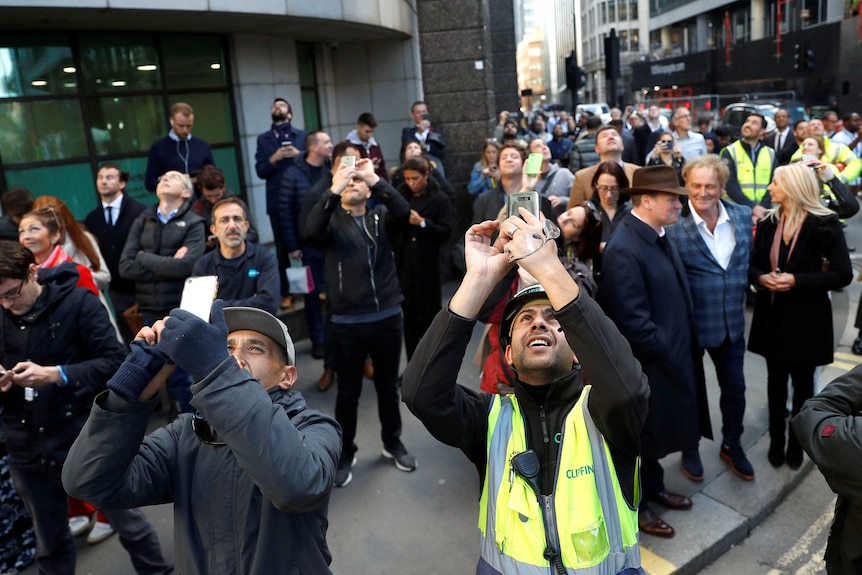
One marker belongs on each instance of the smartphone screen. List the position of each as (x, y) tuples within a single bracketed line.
[(534, 163), (286, 144), (808, 157), (198, 295)]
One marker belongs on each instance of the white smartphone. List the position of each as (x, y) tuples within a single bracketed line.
[(198, 295), (808, 157), (348, 160)]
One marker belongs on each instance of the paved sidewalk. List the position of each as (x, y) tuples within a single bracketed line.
[(725, 508)]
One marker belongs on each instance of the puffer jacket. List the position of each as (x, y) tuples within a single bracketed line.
[(148, 257), (66, 326), (256, 505)]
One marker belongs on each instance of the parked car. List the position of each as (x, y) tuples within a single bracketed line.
[(736, 113), (600, 109)]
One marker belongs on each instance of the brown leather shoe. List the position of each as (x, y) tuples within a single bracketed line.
[(326, 380), (650, 522), (670, 500), (368, 368)]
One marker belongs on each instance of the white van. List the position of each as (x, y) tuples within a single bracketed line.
[(599, 109)]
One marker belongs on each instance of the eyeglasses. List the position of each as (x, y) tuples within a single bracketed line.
[(607, 189), (204, 430), (14, 294), (665, 141)]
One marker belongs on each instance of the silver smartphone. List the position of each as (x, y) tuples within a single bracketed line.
[(198, 295), (808, 157), (528, 200), (348, 160)]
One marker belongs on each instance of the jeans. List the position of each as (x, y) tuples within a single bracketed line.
[(728, 358), (351, 344), (139, 539)]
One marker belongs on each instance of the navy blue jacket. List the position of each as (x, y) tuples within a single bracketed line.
[(645, 292), (294, 185), (249, 280), (718, 295), (267, 144), (66, 326), (167, 154)]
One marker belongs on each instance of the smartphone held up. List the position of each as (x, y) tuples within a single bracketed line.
[(198, 295)]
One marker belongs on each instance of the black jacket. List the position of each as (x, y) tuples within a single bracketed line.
[(66, 326), (458, 416), (112, 239), (148, 257), (359, 280)]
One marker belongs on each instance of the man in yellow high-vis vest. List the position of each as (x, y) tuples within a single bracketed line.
[(558, 459), (751, 164)]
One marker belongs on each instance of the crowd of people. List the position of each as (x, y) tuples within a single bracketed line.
[(651, 238)]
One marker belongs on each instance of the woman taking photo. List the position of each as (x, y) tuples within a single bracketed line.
[(667, 153), (799, 255), (485, 175)]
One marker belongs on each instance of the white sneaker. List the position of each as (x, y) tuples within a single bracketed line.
[(100, 532), (81, 524)]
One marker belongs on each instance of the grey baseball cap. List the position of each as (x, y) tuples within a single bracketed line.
[(254, 319)]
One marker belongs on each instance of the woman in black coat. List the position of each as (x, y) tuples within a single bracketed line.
[(799, 256), (416, 242)]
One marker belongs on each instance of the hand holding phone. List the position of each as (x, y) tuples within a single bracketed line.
[(348, 160), (528, 200), (198, 295)]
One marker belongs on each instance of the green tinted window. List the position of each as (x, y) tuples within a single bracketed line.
[(212, 116), (72, 183), (125, 124), (136, 167), (308, 85), (36, 66), (119, 62), (40, 131), (193, 61)]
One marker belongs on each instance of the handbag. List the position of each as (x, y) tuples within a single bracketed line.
[(300, 279)]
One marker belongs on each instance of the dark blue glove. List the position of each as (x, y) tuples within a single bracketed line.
[(194, 345), (140, 366)]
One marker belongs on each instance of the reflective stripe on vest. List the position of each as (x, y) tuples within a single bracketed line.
[(752, 179), (597, 530)]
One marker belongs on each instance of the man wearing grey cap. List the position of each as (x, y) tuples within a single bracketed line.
[(249, 472)]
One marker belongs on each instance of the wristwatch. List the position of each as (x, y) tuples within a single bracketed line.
[(422, 224)]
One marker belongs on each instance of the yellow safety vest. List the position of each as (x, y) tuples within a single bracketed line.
[(837, 154), (596, 530), (752, 178)]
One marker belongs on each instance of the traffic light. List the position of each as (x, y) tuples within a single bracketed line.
[(582, 78), (572, 72), (798, 56), (809, 60)]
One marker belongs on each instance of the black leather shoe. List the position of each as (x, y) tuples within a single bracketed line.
[(691, 465), (794, 454), (650, 522), (670, 500), (317, 350), (857, 346)]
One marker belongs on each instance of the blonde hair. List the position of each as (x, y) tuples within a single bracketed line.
[(802, 188), (713, 162)]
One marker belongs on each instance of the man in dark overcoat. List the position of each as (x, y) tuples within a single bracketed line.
[(645, 292)]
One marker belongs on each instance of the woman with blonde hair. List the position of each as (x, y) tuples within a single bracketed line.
[(799, 255)]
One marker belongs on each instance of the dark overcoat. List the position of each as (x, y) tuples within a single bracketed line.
[(795, 326), (645, 292)]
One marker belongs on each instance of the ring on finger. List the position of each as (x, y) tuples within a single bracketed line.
[(512, 230)]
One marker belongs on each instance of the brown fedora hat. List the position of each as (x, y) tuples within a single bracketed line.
[(655, 179)]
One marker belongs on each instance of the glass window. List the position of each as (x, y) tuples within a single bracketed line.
[(119, 62), (604, 9), (624, 40), (72, 183), (308, 85), (193, 61), (36, 66), (40, 131), (137, 169), (623, 11), (633, 10), (122, 125), (633, 38), (612, 11), (212, 116), (225, 159)]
